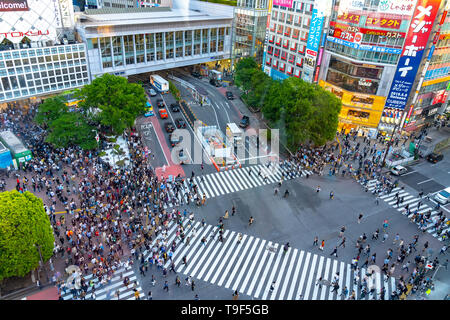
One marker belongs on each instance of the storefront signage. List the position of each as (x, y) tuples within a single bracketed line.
[(365, 82), (66, 8), (404, 7), (349, 36), (417, 37), (380, 22), (283, 3), (14, 5), (350, 5), (347, 28), (315, 31), (349, 17), (364, 47)]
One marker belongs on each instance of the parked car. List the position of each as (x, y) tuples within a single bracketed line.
[(180, 123), (196, 74), (443, 197), (245, 121), (175, 107), (229, 95), (160, 103), (435, 157), (152, 92), (169, 127), (398, 170), (163, 114)]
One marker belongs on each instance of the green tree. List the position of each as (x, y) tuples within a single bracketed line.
[(69, 129), (50, 110), (24, 227), (174, 90), (244, 71), (113, 102)]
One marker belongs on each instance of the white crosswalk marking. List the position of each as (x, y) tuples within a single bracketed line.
[(413, 204), (251, 266)]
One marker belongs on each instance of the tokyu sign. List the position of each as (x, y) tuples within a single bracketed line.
[(14, 5)]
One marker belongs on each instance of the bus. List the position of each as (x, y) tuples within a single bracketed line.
[(159, 83), (18, 151), (216, 75)]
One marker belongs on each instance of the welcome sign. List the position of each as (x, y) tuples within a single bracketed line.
[(14, 5)]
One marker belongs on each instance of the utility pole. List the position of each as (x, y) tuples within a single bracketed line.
[(389, 144)]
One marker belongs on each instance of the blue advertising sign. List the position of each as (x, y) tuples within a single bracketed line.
[(365, 47), (315, 31), (277, 75)]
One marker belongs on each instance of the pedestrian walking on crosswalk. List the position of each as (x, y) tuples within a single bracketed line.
[(342, 231), (177, 281), (342, 243), (272, 287), (250, 221), (226, 216), (334, 252), (316, 241), (239, 238), (166, 286), (360, 218), (235, 295), (233, 210), (322, 245), (331, 195), (192, 285)]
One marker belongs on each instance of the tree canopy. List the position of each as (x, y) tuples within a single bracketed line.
[(303, 112), (24, 227), (113, 102)]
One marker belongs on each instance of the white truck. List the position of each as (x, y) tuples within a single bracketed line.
[(159, 83), (234, 134)]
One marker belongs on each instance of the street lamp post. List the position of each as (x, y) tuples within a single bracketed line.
[(391, 140)]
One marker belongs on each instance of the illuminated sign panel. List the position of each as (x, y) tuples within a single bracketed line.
[(14, 5)]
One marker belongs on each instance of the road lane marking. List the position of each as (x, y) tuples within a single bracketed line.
[(425, 181)]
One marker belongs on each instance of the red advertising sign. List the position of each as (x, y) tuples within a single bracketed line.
[(349, 17), (345, 27), (14, 5), (379, 22), (348, 36)]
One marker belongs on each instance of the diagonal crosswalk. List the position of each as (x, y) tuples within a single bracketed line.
[(224, 182), (414, 203), (107, 292), (253, 264)]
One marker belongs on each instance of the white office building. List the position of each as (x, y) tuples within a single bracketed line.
[(139, 40), (39, 54)]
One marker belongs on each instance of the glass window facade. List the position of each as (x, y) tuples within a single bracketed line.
[(22, 75)]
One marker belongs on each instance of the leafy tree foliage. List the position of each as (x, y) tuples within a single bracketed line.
[(113, 102), (303, 112), (50, 110), (24, 226)]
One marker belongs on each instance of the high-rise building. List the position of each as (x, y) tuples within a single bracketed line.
[(294, 37), (39, 53), (249, 29), (431, 96), (139, 40), (375, 51)]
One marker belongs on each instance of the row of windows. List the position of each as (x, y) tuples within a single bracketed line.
[(141, 48), (288, 55), (363, 55), (9, 55), (289, 19), (41, 60), (22, 81), (297, 6), (42, 89), (283, 67)]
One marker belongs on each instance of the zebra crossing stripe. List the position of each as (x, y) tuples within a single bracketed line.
[(296, 273), (266, 270), (310, 278), (213, 185), (183, 247), (239, 174), (241, 257), (236, 184), (271, 277), (348, 280), (250, 271), (195, 245), (219, 255), (220, 185), (277, 274), (258, 269), (249, 178), (201, 246), (234, 248), (341, 279), (204, 256), (318, 274), (288, 274), (201, 187), (325, 277), (228, 183), (331, 294), (302, 278), (216, 248)]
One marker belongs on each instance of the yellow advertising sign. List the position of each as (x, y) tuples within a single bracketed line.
[(438, 80)]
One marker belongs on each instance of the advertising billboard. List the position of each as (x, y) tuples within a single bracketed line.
[(403, 7), (283, 3), (14, 5), (365, 47), (39, 23), (315, 31), (417, 37)]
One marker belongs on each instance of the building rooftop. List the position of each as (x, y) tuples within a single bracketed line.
[(153, 15)]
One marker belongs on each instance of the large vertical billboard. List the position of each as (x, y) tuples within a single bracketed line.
[(416, 40), (14, 5), (38, 23)]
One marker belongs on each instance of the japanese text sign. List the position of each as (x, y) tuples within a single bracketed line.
[(283, 3), (416, 39), (381, 22), (315, 31)]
